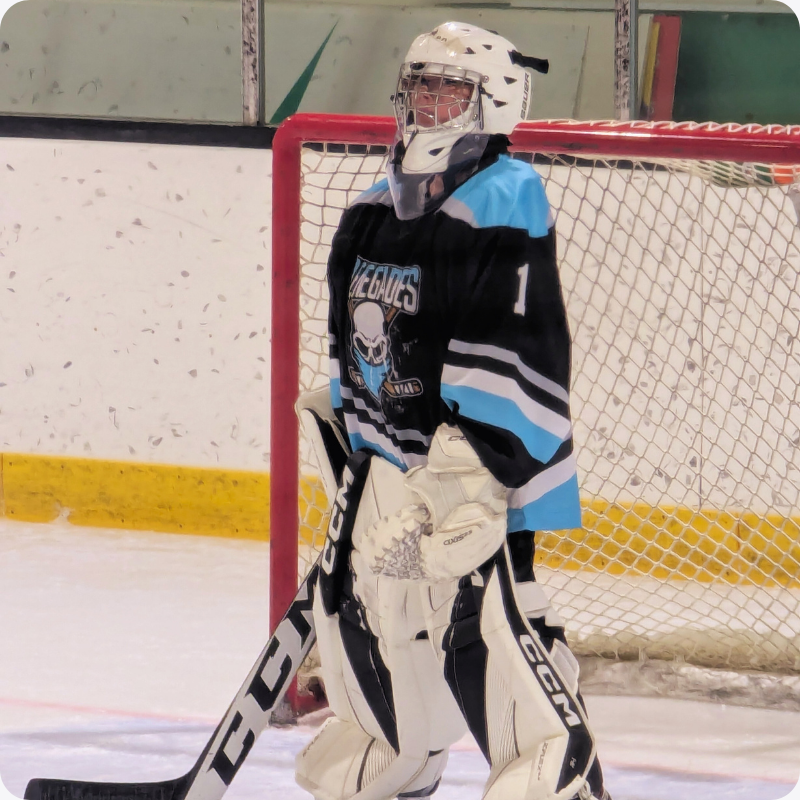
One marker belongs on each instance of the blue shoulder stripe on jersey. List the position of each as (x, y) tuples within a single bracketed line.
[(557, 510), (493, 410), (507, 194), (379, 193)]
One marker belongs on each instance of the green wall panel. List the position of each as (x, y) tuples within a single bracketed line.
[(170, 60), (739, 68)]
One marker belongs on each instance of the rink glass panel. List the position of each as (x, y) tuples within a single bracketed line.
[(680, 281)]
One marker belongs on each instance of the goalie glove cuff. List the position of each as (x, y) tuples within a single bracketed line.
[(468, 536)]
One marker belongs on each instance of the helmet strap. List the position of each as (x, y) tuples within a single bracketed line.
[(531, 62)]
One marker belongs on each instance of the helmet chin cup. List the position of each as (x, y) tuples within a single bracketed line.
[(418, 190), (429, 153)]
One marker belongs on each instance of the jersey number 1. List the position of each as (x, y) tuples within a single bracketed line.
[(519, 306)]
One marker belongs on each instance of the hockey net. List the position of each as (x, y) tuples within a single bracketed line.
[(679, 251)]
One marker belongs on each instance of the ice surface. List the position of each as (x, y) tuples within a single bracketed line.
[(119, 652)]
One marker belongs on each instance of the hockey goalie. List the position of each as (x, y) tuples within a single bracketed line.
[(449, 376)]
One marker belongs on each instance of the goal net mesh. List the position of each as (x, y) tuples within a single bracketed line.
[(681, 286)]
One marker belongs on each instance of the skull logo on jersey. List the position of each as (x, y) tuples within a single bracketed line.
[(378, 294), (371, 345)]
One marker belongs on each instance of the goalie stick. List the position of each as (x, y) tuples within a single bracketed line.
[(265, 686), (235, 735)]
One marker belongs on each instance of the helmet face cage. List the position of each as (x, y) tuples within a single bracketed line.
[(437, 97)]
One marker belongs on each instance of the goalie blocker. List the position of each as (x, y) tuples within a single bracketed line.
[(406, 661)]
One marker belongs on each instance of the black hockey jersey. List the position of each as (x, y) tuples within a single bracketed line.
[(457, 316)]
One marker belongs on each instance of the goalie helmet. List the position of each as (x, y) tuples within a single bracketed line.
[(455, 81)]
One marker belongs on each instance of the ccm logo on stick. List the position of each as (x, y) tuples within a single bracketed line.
[(276, 669)]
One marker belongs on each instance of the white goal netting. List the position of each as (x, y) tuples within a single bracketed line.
[(681, 285)]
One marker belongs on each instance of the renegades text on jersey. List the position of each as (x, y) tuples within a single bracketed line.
[(457, 316)]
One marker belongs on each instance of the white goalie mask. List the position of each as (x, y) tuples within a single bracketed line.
[(458, 85), (456, 80)]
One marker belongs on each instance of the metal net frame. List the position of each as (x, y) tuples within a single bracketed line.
[(679, 253)]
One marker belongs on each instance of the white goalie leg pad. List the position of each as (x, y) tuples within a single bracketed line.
[(331, 766), (542, 686), (341, 758), (345, 697), (427, 717), (534, 602), (521, 699), (352, 758)]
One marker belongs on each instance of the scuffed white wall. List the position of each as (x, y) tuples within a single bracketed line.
[(135, 302)]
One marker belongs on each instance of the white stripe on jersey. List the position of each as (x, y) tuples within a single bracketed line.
[(508, 389), (371, 435), (457, 209), (405, 434), (335, 383), (543, 483), (512, 358)]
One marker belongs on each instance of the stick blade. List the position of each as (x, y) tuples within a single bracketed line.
[(56, 789), (213, 772)]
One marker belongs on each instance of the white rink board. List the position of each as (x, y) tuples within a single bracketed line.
[(135, 288)]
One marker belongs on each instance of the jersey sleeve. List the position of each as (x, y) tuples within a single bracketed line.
[(507, 370)]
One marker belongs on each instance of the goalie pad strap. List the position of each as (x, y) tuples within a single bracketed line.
[(326, 435)]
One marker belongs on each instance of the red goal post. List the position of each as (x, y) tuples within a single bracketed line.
[(729, 155), (284, 432)]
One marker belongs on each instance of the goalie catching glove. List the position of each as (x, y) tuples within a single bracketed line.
[(454, 521)]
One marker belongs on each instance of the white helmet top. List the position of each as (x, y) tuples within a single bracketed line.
[(455, 80)]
